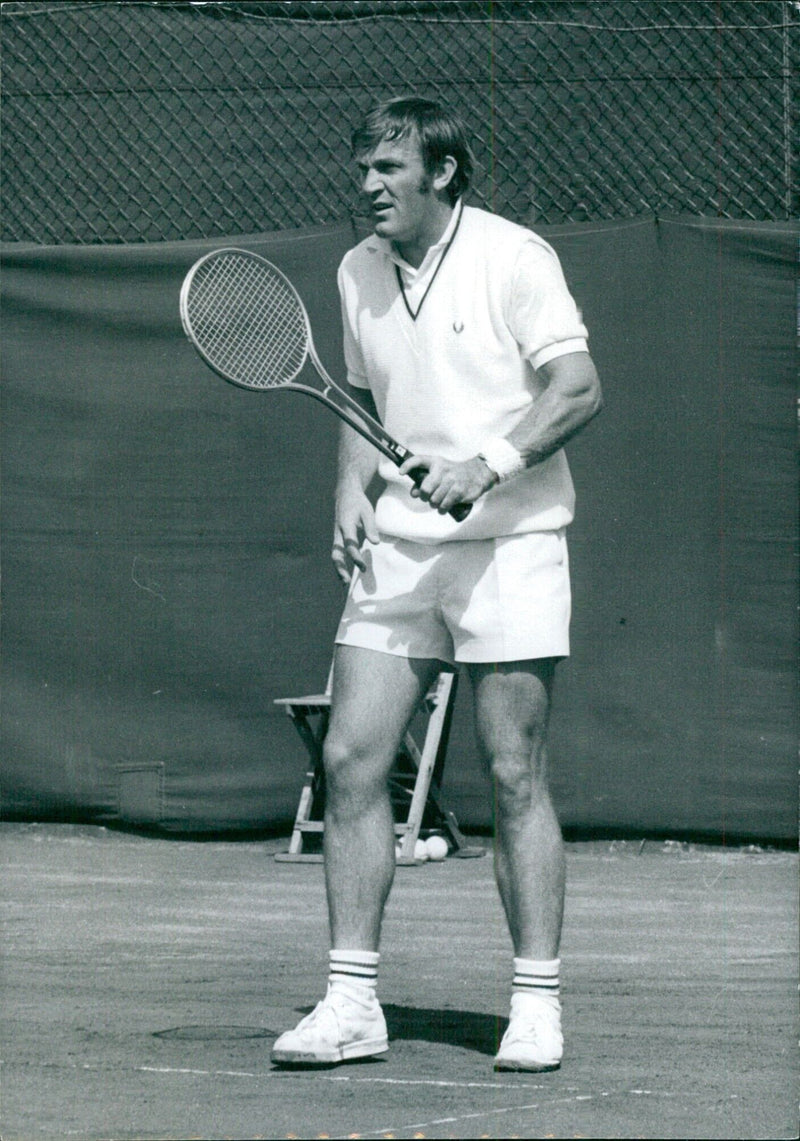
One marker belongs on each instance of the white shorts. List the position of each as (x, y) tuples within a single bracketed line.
[(486, 600)]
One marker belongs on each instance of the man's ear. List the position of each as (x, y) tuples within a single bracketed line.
[(444, 172)]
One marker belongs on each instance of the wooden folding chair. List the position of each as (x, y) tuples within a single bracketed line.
[(414, 782)]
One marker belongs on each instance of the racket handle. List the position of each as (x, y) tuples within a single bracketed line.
[(459, 512)]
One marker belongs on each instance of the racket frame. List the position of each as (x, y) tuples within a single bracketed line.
[(345, 406)]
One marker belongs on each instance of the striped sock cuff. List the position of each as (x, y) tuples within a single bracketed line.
[(359, 968), (536, 976)]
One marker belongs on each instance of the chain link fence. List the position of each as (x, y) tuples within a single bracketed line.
[(130, 122)]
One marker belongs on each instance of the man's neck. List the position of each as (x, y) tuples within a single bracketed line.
[(414, 251)]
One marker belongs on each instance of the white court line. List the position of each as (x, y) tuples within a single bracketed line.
[(428, 1082), (323, 1077), (548, 1103), (433, 1082), (197, 1073), (545, 1104)]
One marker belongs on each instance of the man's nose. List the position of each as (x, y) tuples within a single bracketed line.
[(370, 182)]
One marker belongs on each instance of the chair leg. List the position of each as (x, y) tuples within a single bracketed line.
[(439, 701), (304, 822)]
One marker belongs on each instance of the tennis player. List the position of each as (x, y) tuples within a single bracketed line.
[(461, 336)]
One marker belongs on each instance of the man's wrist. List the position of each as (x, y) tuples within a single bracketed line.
[(350, 483), (501, 458)]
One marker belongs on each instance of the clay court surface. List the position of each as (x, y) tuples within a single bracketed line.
[(144, 981)]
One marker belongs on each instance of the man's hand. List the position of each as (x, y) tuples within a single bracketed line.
[(446, 483), (355, 524)]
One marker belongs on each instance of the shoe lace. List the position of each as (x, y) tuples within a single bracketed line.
[(528, 1027), (523, 1030), (314, 1015)]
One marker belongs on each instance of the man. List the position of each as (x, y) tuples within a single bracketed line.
[(461, 336)]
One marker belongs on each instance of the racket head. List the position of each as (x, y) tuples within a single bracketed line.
[(245, 319)]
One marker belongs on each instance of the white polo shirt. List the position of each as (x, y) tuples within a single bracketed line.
[(465, 370)]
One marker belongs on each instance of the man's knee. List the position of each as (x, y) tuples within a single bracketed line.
[(352, 771), (520, 781), (340, 758)]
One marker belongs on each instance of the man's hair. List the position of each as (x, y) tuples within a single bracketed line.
[(440, 133)]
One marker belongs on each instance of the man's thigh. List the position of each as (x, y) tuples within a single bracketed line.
[(374, 696), (512, 704)]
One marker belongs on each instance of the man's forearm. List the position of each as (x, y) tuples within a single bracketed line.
[(358, 458), (358, 461), (571, 398)]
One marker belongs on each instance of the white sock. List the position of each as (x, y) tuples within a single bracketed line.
[(537, 978), (354, 973)]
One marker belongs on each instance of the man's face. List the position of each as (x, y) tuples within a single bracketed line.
[(399, 190)]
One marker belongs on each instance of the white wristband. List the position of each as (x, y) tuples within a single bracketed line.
[(502, 458)]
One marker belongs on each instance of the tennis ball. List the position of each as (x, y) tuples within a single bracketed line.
[(437, 847), (420, 850)]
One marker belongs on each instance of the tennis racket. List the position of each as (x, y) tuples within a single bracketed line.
[(248, 323)]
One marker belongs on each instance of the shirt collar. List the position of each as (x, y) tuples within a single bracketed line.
[(384, 246)]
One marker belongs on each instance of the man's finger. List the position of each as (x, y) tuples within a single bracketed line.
[(415, 463), (342, 571), (352, 551)]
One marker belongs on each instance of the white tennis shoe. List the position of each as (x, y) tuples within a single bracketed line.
[(337, 1029), (533, 1040)]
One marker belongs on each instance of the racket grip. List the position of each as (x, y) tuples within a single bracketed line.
[(459, 512)]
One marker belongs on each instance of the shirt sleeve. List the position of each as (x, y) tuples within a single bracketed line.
[(353, 357), (541, 312)]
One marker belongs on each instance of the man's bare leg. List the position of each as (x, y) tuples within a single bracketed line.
[(512, 705), (512, 710), (374, 697)]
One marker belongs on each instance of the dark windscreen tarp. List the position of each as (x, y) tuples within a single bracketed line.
[(166, 542)]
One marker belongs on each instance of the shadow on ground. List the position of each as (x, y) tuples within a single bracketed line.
[(465, 1028)]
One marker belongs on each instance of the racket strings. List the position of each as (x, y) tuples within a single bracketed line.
[(248, 321)]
